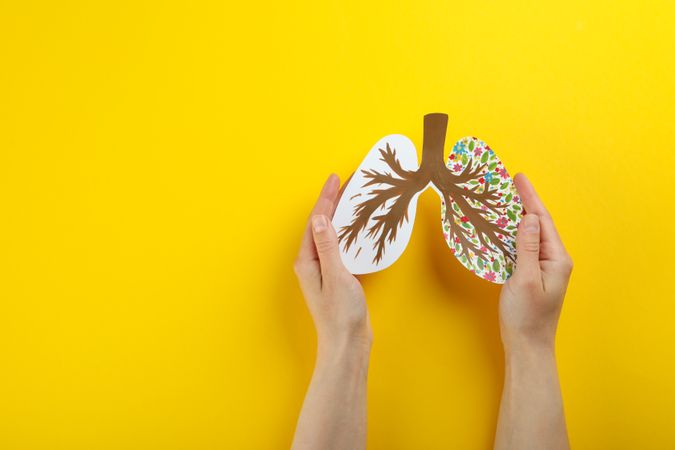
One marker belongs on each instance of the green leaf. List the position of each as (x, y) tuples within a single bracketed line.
[(516, 207), (480, 263), (495, 266), (503, 185), (471, 145), (508, 198), (492, 166), (494, 181), (465, 159), (484, 158), (511, 215)]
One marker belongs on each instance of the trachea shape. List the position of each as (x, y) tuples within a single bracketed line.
[(480, 208)]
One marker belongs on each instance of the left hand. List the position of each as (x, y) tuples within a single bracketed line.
[(334, 296)]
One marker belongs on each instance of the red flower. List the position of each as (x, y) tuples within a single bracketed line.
[(464, 219), (452, 156), (457, 167), (481, 179), (490, 276), (456, 240), (502, 221)]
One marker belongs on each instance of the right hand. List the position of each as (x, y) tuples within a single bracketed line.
[(531, 300)]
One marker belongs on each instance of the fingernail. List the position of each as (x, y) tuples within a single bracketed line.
[(319, 223), (531, 223)]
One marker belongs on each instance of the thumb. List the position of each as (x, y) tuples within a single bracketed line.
[(527, 248), (326, 243)]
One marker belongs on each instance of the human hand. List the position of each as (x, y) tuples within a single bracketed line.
[(333, 414), (531, 300), (531, 414), (334, 296)]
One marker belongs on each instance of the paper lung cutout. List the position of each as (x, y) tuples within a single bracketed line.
[(376, 212)]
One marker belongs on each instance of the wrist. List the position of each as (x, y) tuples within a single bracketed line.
[(518, 348), (531, 339), (343, 350)]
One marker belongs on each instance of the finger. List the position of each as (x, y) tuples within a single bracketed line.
[(550, 238), (342, 191), (528, 241), (325, 205), (307, 262), (529, 195), (326, 243)]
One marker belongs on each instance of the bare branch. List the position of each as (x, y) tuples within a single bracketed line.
[(376, 177), (362, 213), (389, 157)]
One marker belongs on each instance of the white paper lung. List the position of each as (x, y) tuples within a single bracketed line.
[(373, 243)]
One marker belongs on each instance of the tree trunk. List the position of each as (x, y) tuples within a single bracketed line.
[(435, 125)]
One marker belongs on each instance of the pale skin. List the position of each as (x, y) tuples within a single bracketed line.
[(531, 414)]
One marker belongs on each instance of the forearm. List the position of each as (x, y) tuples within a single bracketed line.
[(531, 412), (333, 415)]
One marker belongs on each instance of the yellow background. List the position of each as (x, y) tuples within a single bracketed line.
[(158, 161)]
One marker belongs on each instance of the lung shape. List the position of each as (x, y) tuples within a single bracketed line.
[(480, 209), (480, 224), (373, 223)]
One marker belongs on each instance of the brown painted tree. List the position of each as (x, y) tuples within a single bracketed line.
[(473, 205)]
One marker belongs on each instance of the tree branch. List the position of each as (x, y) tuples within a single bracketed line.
[(389, 157)]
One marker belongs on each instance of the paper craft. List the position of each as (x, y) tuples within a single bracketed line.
[(480, 208)]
